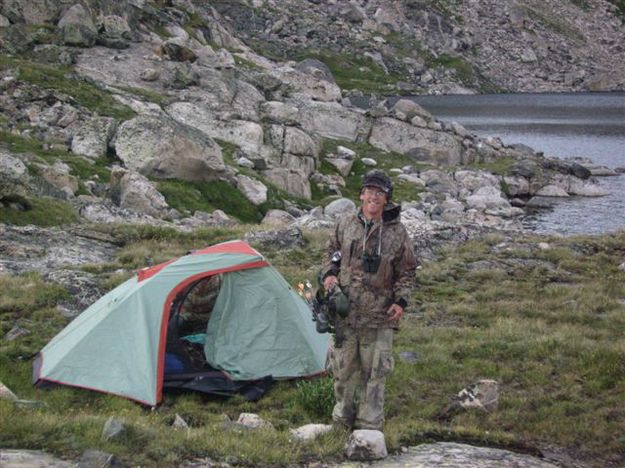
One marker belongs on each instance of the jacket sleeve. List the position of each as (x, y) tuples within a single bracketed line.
[(333, 244), (404, 272)]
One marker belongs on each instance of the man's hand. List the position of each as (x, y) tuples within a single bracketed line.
[(395, 311), (329, 282)]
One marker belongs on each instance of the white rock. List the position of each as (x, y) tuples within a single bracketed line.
[(6, 393), (254, 190), (339, 208), (412, 179), (487, 197), (278, 217), (253, 421), (244, 162), (344, 166), (366, 444), (369, 162), (310, 431), (551, 191), (346, 153)]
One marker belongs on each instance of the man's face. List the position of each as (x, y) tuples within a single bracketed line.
[(373, 201)]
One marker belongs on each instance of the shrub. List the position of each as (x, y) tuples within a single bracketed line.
[(316, 397)]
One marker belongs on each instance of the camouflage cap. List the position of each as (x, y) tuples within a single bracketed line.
[(377, 178)]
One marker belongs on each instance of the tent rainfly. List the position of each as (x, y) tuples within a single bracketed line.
[(259, 328)]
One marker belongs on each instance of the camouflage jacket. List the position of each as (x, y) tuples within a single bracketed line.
[(371, 294)]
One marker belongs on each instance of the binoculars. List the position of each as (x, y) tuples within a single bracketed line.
[(370, 263)]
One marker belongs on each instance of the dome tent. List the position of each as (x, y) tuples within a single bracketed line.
[(259, 328)]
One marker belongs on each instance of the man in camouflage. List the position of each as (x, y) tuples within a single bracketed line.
[(376, 271)]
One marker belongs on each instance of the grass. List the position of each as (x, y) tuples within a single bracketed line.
[(349, 71), (63, 80), (551, 336), (500, 166), (463, 69), (43, 212)]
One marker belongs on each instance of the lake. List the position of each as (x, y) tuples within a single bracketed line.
[(590, 125)]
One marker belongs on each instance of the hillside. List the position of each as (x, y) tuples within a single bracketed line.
[(134, 131)]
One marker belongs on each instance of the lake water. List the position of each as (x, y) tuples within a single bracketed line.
[(590, 125)]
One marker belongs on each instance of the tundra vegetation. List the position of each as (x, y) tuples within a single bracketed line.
[(545, 322), (542, 316)]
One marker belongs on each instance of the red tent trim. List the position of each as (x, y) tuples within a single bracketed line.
[(235, 247)]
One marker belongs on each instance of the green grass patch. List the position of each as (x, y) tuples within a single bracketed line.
[(63, 80), (500, 166), (463, 69), (209, 196), (43, 212), (557, 24)]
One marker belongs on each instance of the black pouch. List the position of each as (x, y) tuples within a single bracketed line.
[(370, 263)]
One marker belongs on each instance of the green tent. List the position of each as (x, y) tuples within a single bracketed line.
[(258, 328)]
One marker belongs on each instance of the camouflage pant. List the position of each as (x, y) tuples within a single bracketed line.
[(359, 368)]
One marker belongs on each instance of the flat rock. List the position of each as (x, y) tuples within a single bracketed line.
[(30, 458), (454, 455)]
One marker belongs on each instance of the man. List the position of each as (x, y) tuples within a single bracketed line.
[(376, 271)]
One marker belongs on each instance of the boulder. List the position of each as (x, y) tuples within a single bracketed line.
[(299, 143), (77, 28), (551, 191), (162, 148), (176, 49), (138, 194), (279, 112), (242, 133), (344, 166), (115, 26), (308, 85), (290, 180), (410, 109), (31, 11), (59, 177), (487, 197), (366, 444), (278, 217), (332, 120), (473, 180), (254, 190), (420, 144), (315, 68), (287, 238), (184, 76), (516, 186), (93, 136), (339, 208), (345, 153)]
